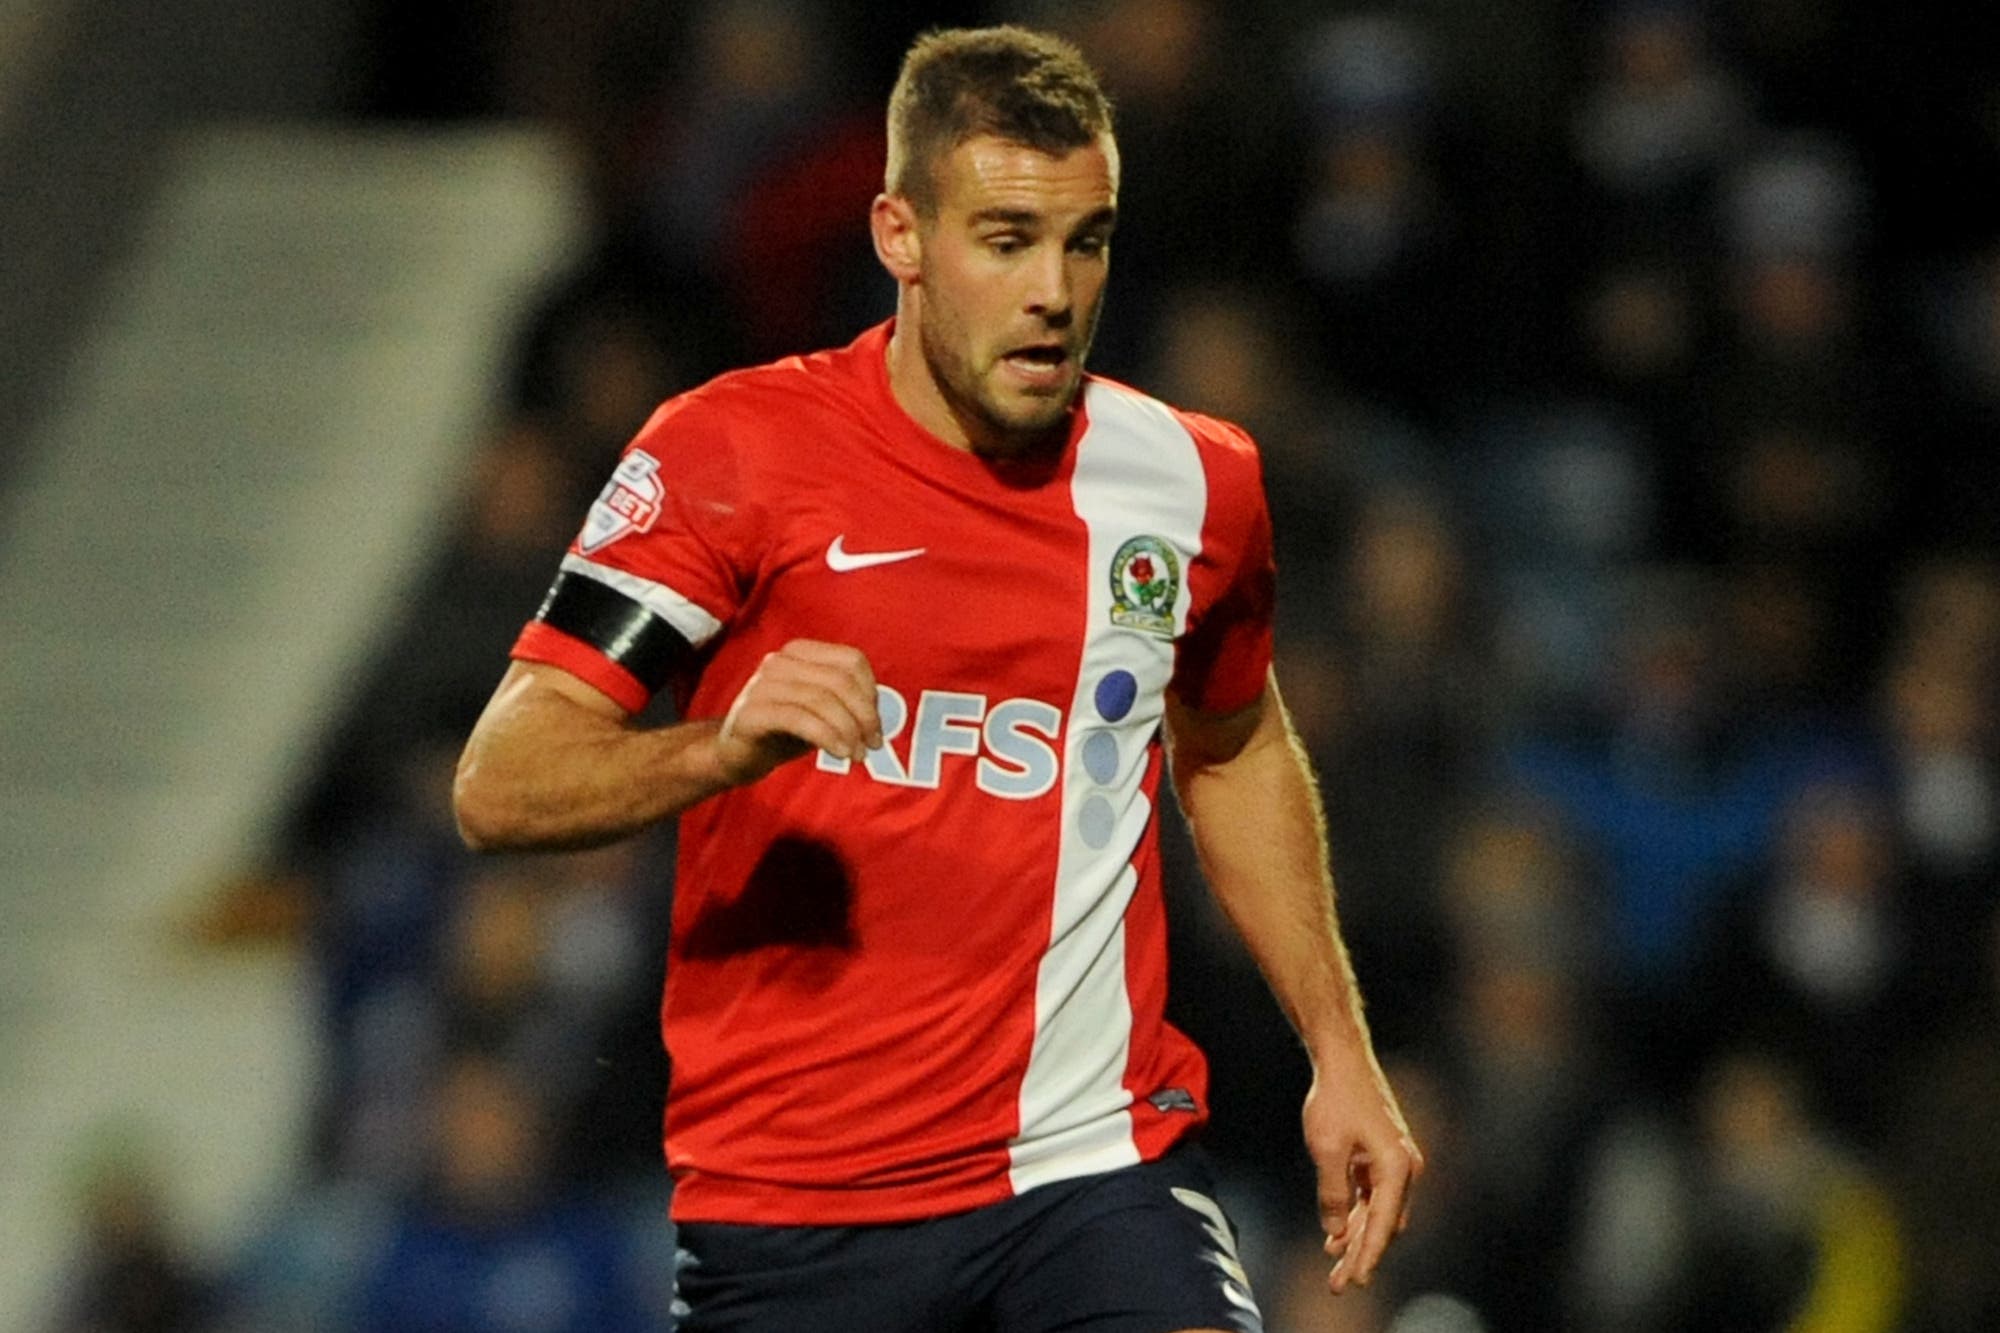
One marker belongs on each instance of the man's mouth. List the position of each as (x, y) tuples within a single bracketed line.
[(1039, 365), (1043, 354)]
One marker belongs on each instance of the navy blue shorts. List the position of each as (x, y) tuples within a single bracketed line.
[(1145, 1249)]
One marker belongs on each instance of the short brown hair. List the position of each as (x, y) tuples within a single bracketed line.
[(1024, 86)]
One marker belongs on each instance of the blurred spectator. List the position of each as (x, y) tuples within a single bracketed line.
[(594, 360), (1676, 794), (1956, 365), (1800, 54), (1794, 1232), (1372, 237), (1636, 1221), (430, 681), (488, 1245), (1941, 693), (1951, 618), (1662, 118), (1641, 323), (579, 1015), (1799, 493), (1947, 1162), (760, 169), (1816, 961), (598, 354), (1813, 511), (754, 78), (498, 997), (1229, 351), (300, 1267), (1777, 640), (1239, 352), (1516, 895), (1398, 758), (1532, 1088), (1644, 334), (527, 961), (1793, 219), (130, 1274), (1800, 197), (1562, 500), (1942, 728), (1375, 657), (379, 931), (1752, 1221), (1965, 329)]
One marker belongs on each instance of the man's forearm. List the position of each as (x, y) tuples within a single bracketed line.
[(553, 763), (1260, 834), (538, 776)]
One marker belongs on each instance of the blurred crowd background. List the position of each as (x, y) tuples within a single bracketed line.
[(1627, 376)]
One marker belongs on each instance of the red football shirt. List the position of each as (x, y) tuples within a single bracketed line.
[(913, 985)]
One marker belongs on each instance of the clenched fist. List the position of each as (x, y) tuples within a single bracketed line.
[(806, 696)]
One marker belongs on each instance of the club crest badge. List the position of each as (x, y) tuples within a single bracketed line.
[(1145, 582), (629, 503)]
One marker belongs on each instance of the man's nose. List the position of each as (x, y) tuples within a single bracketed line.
[(1049, 292)]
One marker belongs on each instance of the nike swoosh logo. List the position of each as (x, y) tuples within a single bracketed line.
[(842, 561)]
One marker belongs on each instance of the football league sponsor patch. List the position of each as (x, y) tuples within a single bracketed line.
[(629, 503)]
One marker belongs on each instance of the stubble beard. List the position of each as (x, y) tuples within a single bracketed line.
[(1000, 434)]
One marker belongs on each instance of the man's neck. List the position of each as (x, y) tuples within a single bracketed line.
[(916, 390)]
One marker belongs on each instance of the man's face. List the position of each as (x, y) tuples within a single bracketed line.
[(1011, 277)]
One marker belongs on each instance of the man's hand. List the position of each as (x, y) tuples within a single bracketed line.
[(1367, 1162), (806, 696)]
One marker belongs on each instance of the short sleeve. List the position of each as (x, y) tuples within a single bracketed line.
[(661, 563), (1225, 658)]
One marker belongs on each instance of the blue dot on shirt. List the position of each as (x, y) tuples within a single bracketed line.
[(1097, 821), (1100, 756), (1115, 694)]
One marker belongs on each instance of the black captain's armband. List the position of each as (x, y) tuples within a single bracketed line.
[(615, 625)]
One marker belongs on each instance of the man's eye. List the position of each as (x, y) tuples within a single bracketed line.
[(1090, 246), (1005, 245)]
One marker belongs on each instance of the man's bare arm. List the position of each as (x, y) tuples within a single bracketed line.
[(1254, 809), (554, 763)]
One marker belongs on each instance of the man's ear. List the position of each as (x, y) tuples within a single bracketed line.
[(892, 221)]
